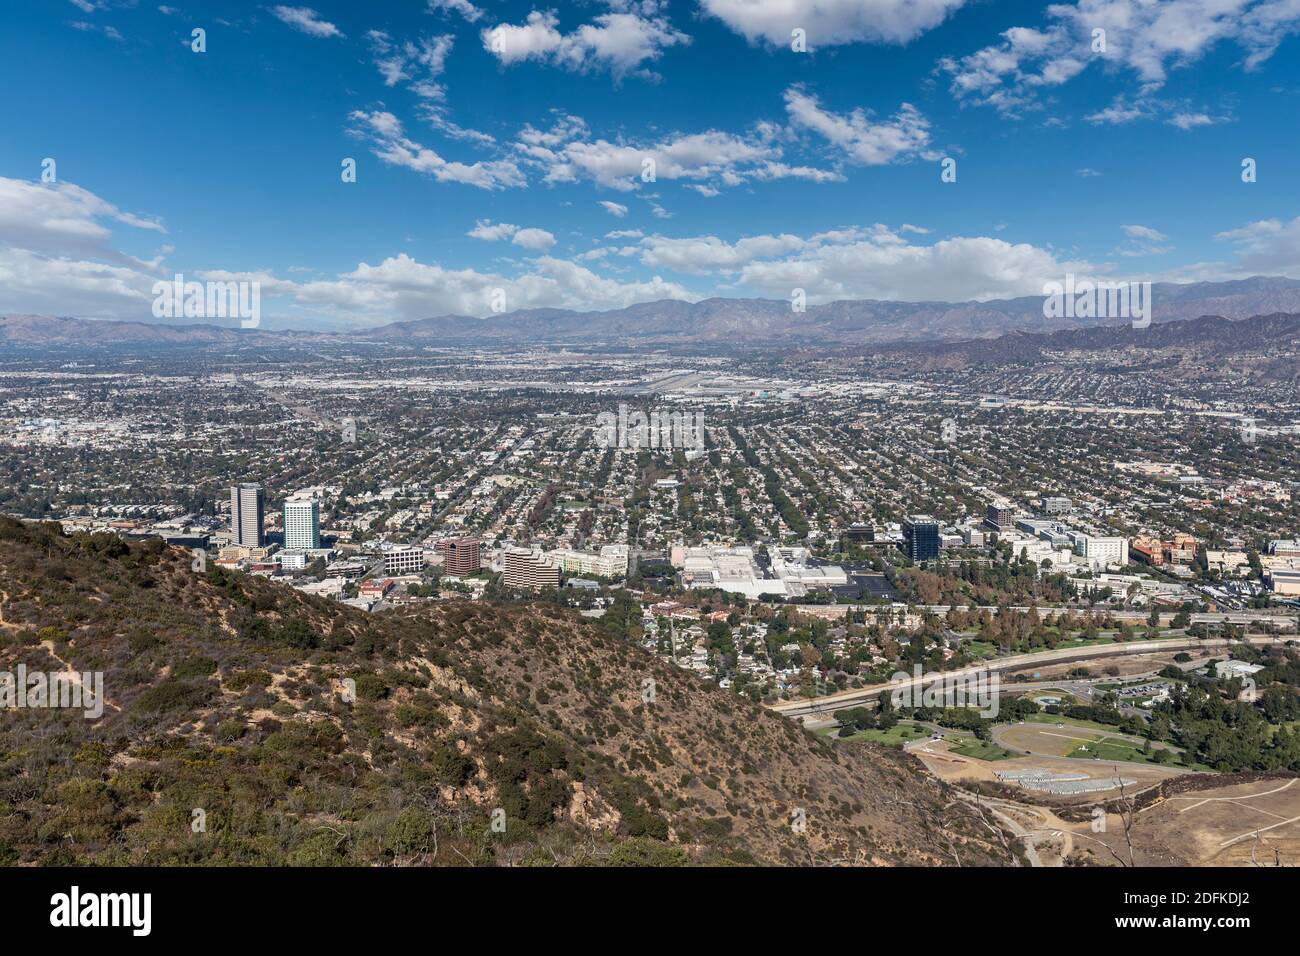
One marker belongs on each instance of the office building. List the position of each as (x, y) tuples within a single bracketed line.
[(858, 534), (403, 560), (246, 515), (302, 524), (460, 555), (920, 537), (529, 568), (1057, 506), (1100, 551), (611, 562), (1000, 516)]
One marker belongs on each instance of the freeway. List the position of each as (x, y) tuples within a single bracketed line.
[(860, 695), (1273, 616)]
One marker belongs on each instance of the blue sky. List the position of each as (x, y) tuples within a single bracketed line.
[(501, 145)]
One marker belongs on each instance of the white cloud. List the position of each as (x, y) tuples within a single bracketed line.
[(1190, 120), (886, 267), (1266, 247), (1143, 241), (1144, 38), (616, 210), (84, 27), (57, 253), (537, 240), (716, 157), (492, 232), (401, 287), (861, 140), (831, 22), (463, 7), (392, 146), (1143, 232), (618, 41), (63, 218), (874, 262), (702, 255), (306, 20), (418, 63)]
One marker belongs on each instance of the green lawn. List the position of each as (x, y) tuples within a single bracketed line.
[(1111, 749), (895, 736), (980, 750), (1119, 750)]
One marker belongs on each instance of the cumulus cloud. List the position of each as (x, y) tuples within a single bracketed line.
[(619, 41), (886, 267), (831, 22), (306, 20), (617, 210), (401, 287), (536, 240), (872, 262), (390, 144)]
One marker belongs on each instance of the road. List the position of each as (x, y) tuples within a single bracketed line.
[(860, 695)]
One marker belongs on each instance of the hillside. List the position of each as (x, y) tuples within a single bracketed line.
[(1268, 341), (223, 696)]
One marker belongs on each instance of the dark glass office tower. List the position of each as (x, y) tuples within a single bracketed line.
[(921, 537)]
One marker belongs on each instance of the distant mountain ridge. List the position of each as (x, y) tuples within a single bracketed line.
[(1209, 335), (709, 322)]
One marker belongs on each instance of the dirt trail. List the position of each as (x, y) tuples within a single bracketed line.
[(48, 647)]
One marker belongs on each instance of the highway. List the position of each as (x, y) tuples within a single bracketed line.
[(861, 695)]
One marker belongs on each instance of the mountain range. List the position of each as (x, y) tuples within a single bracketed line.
[(714, 322)]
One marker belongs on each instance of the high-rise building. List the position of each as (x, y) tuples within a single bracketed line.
[(1000, 516), (529, 568), (921, 537), (460, 555), (302, 524), (246, 514)]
